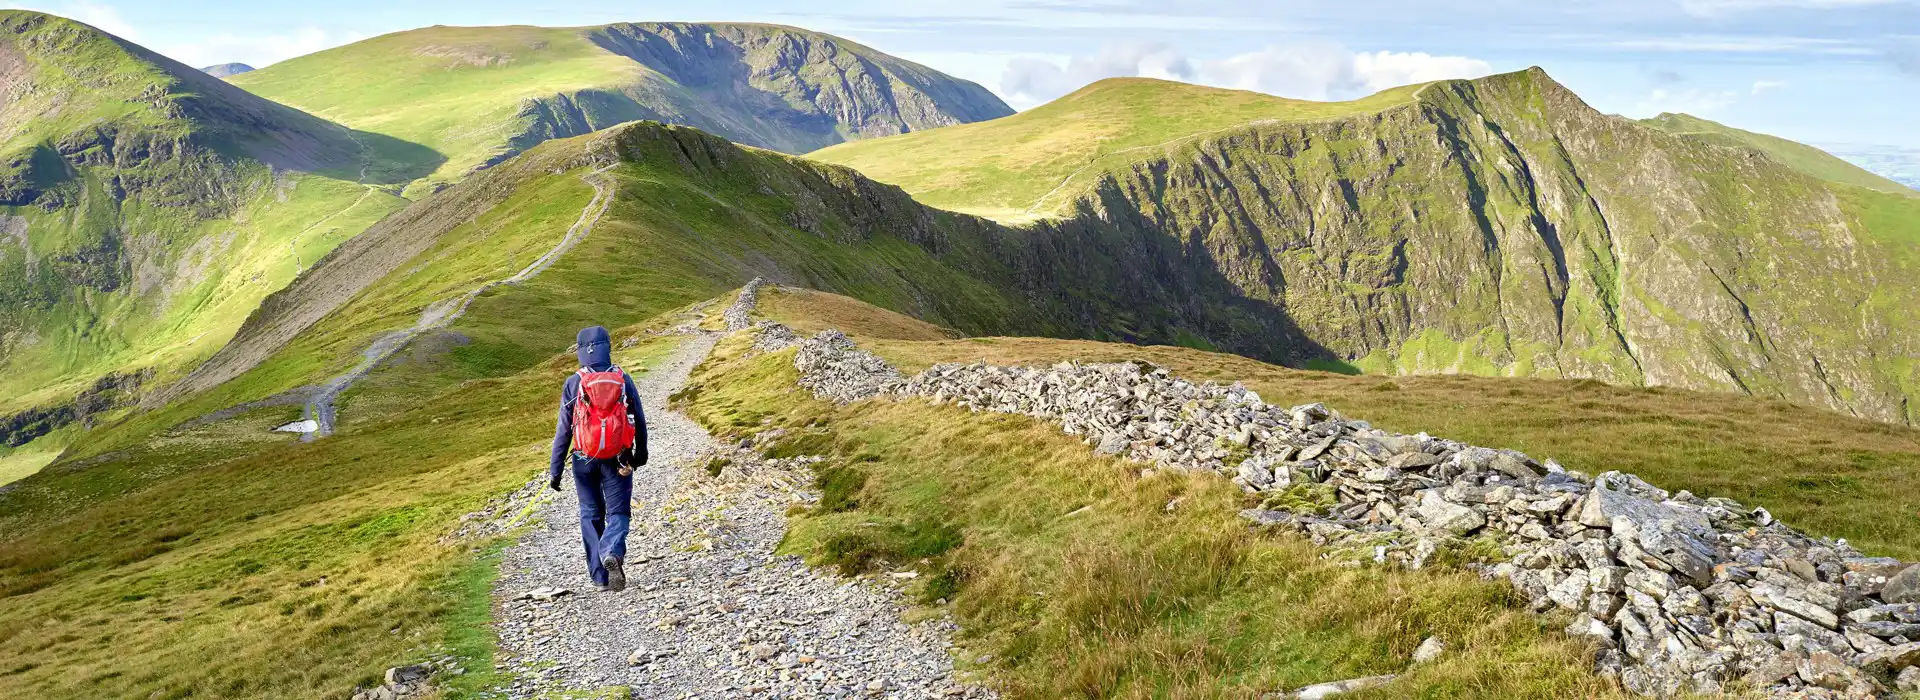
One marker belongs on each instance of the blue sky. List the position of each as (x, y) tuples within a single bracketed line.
[(1820, 71)]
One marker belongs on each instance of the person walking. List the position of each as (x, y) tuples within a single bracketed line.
[(602, 431)]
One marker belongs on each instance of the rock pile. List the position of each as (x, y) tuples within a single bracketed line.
[(834, 369), (1679, 593), (740, 315)]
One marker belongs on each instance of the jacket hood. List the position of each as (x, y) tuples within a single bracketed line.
[(595, 348)]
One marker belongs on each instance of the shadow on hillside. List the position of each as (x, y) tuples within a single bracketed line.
[(392, 161), (1122, 274)]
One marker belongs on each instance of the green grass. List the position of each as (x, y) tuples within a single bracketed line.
[(1071, 573), (228, 561), (1030, 165), (151, 262), (1820, 471), (456, 90), (1798, 156), (240, 260)]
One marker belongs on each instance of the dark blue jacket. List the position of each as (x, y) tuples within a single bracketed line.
[(596, 354)]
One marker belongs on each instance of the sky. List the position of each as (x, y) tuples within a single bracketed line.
[(1838, 73)]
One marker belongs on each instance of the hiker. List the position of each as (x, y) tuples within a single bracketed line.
[(603, 431)]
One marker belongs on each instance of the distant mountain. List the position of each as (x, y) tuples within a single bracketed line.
[(1798, 156), (479, 95), (227, 69), (1498, 226), (146, 207)]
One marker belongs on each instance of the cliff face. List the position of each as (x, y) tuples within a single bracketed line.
[(1502, 226), (793, 90), (762, 85)]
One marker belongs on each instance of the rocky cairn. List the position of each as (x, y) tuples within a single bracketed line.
[(1678, 593)]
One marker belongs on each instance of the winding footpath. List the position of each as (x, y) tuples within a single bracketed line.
[(316, 420), (710, 611)]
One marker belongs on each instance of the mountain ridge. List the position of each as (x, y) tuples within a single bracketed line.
[(1486, 226), (495, 91)]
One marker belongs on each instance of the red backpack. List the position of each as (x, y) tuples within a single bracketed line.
[(602, 426)]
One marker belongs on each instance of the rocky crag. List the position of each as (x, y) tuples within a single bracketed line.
[(1503, 226), (1498, 226), (1678, 593)]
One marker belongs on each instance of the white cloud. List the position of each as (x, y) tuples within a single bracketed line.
[(1314, 71), (1715, 8), (1030, 80), (102, 17), (1760, 86), (258, 50), (1699, 103), (1714, 43)]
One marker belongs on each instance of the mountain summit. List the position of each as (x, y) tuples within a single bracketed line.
[(226, 70), (479, 95)]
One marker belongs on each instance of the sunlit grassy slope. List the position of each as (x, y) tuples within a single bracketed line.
[(1028, 165), (145, 207), (479, 94), (456, 90), (1798, 156)]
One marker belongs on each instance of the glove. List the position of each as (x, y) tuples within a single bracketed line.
[(554, 483)]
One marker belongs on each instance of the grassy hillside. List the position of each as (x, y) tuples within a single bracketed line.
[(1032, 164), (477, 95), (146, 208), (1053, 558), (193, 553), (1798, 156), (1497, 226)]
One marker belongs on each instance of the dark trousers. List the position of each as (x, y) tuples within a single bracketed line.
[(606, 508)]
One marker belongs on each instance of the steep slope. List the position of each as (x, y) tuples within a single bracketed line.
[(146, 207), (188, 550), (1032, 164), (478, 95), (1502, 226), (1798, 156)]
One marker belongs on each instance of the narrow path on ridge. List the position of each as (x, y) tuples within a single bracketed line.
[(710, 611), (440, 314)]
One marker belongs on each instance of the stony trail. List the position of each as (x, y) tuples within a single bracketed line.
[(710, 611), (317, 417)]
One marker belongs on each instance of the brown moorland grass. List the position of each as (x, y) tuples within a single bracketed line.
[(1079, 580), (807, 312), (1820, 471)]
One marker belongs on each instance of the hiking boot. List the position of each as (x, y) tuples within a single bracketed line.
[(616, 573)]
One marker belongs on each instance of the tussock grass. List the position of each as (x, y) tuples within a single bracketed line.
[(808, 312), (1073, 577), (1820, 471)]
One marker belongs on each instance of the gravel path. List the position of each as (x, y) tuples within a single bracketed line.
[(710, 611)]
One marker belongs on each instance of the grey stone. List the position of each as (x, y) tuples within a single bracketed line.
[(1451, 518), (1430, 648), (1903, 587), (1327, 690), (401, 675)]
